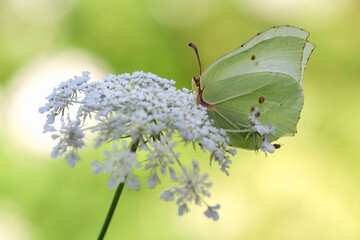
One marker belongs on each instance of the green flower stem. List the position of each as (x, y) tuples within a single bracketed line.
[(115, 200), (111, 211)]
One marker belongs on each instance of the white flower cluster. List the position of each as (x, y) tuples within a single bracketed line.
[(192, 186), (154, 116), (262, 130)]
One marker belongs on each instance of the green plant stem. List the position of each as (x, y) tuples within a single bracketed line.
[(111, 211), (115, 200)]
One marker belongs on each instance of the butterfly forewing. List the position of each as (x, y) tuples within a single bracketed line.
[(278, 49)]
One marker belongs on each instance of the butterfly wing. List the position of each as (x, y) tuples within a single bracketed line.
[(281, 104), (270, 65), (308, 49), (282, 49)]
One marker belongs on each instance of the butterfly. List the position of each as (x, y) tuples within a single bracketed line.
[(265, 73)]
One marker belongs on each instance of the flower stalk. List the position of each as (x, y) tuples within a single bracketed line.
[(111, 211), (115, 201)]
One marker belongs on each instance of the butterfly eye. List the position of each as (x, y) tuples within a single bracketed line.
[(253, 57)]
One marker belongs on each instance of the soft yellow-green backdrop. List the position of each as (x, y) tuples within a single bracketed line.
[(309, 189)]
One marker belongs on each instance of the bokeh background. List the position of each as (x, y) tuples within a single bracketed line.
[(309, 189)]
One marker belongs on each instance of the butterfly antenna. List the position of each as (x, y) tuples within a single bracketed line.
[(198, 58)]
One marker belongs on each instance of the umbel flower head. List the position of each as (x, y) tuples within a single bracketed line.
[(139, 113)]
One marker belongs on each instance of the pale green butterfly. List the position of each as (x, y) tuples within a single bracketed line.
[(266, 72)]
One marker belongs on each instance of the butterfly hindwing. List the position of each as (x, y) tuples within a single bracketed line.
[(234, 97)]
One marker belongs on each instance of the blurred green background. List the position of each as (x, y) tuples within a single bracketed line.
[(309, 189)]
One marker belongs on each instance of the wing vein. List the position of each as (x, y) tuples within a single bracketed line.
[(231, 123), (242, 94)]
